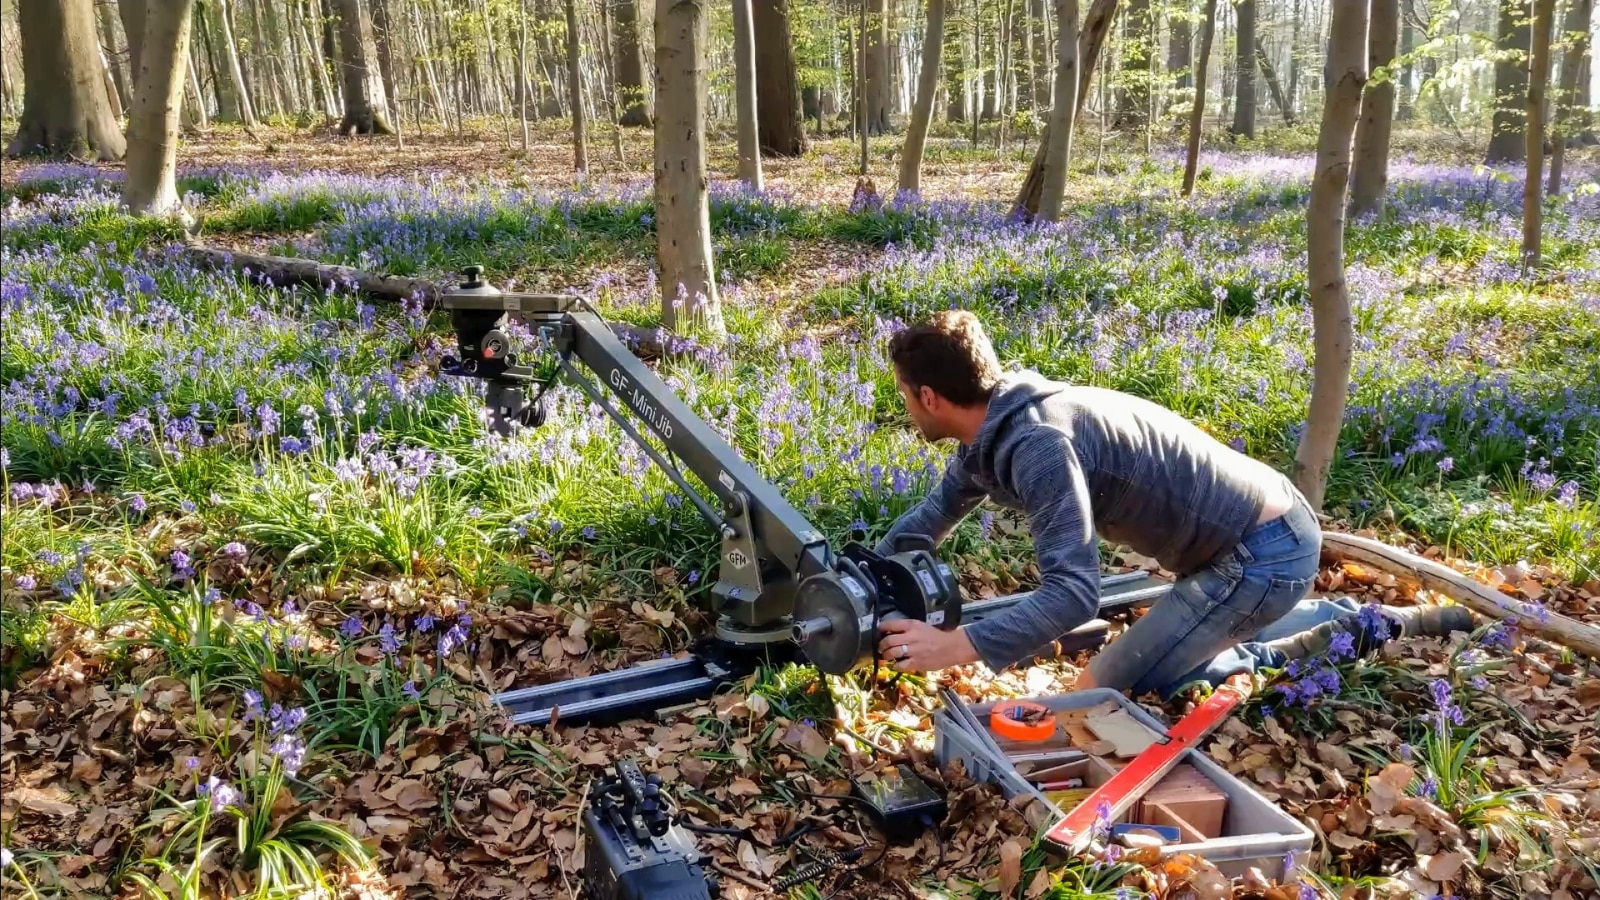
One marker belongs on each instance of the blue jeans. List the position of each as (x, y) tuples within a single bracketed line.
[(1214, 620)]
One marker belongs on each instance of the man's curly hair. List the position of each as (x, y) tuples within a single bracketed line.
[(950, 353)]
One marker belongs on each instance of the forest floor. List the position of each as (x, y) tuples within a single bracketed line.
[(262, 567)]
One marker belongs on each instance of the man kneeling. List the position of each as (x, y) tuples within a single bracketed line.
[(1084, 463)]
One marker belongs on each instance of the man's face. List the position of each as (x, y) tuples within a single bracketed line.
[(923, 405)]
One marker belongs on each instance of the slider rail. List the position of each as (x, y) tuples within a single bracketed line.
[(643, 690)]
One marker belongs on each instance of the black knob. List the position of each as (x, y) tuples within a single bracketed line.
[(652, 778), (474, 276)]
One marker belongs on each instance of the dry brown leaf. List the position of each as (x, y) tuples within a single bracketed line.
[(807, 740), (425, 764), (1335, 756), (1010, 868), (694, 770), (85, 768), (1445, 866), (1344, 840), (1386, 788), (749, 858), (40, 802), (410, 795), (744, 787), (758, 705)]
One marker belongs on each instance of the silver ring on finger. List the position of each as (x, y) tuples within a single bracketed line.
[(905, 651)]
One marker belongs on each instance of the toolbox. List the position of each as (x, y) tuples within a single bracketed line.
[(1250, 831)]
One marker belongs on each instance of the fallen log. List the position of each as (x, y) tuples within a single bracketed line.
[(286, 271), (1474, 595)]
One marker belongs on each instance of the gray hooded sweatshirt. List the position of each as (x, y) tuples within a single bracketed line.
[(1082, 462)]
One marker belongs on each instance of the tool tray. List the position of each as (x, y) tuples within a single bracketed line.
[(1255, 833)]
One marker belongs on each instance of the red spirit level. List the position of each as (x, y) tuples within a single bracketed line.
[(1124, 789)]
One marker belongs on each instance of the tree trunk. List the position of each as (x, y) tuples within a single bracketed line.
[(1405, 89), (927, 87), (683, 217), (1270, 76), (580, 140), (66, 109), (115, 58), (1330, 297), (1133, 99), (744, 64), (365, 107), (630, 65), (1091, 37), (1244, 61), (1058, 152), (955, 82), (1369, 175), (383, 35), (1506, 141), (877, 44), (151, 184), (230, 51), (1180, 49), (1544, 12), (782, 128), (523, 88), (1575, 34), (1197, 111), (863, 102)]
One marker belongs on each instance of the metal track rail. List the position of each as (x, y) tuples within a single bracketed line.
[(641, 691)]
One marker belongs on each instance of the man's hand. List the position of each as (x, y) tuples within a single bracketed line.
[(914, 646)]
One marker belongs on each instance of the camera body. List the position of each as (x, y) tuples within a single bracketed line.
[(633, 850)]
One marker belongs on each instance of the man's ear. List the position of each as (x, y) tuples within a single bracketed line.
[(928, 396)]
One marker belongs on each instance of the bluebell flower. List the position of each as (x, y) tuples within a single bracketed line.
[(351, 627), (387, 639), (410, 690), (425, 623)]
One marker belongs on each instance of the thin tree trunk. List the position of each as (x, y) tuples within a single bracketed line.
[(427, 63), (202, 117), (612, 96), (319, 62), (580, 140), (1091, 38), (863, 92), (927, 88), (1532, 191), (383, 34), (151, 184), (1405, 89), (1270, 76), (744, 53), (1507, 142), (66, 104), (1576, 37), (683, 219), (1369, 175), (114, 57), (1058, 155), (1332, 329), (1197, 112), (230, 50), (262, 59), (522, 69), (1244, 60), (1138, 51), (955, 83)]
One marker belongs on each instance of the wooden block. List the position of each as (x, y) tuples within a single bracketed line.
[(1160, 814), (1123, 730), (1192, 797), (1081, 736)]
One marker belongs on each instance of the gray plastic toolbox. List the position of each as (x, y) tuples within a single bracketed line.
[(1256, 833)]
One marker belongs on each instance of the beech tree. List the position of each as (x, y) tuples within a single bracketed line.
[(158, 82), (1538, 78), (683, 211), (66, 109), (365, 107), (744, 59), (580, 140), (778, 110), (1197, 112), (1566, 126), (1058, 154), (927, 87), (1244, 76), (636, 111), (1506, 142), (1332, 329), (1369, 175)]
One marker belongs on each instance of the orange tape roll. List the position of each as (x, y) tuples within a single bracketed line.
[(1019, 720)]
